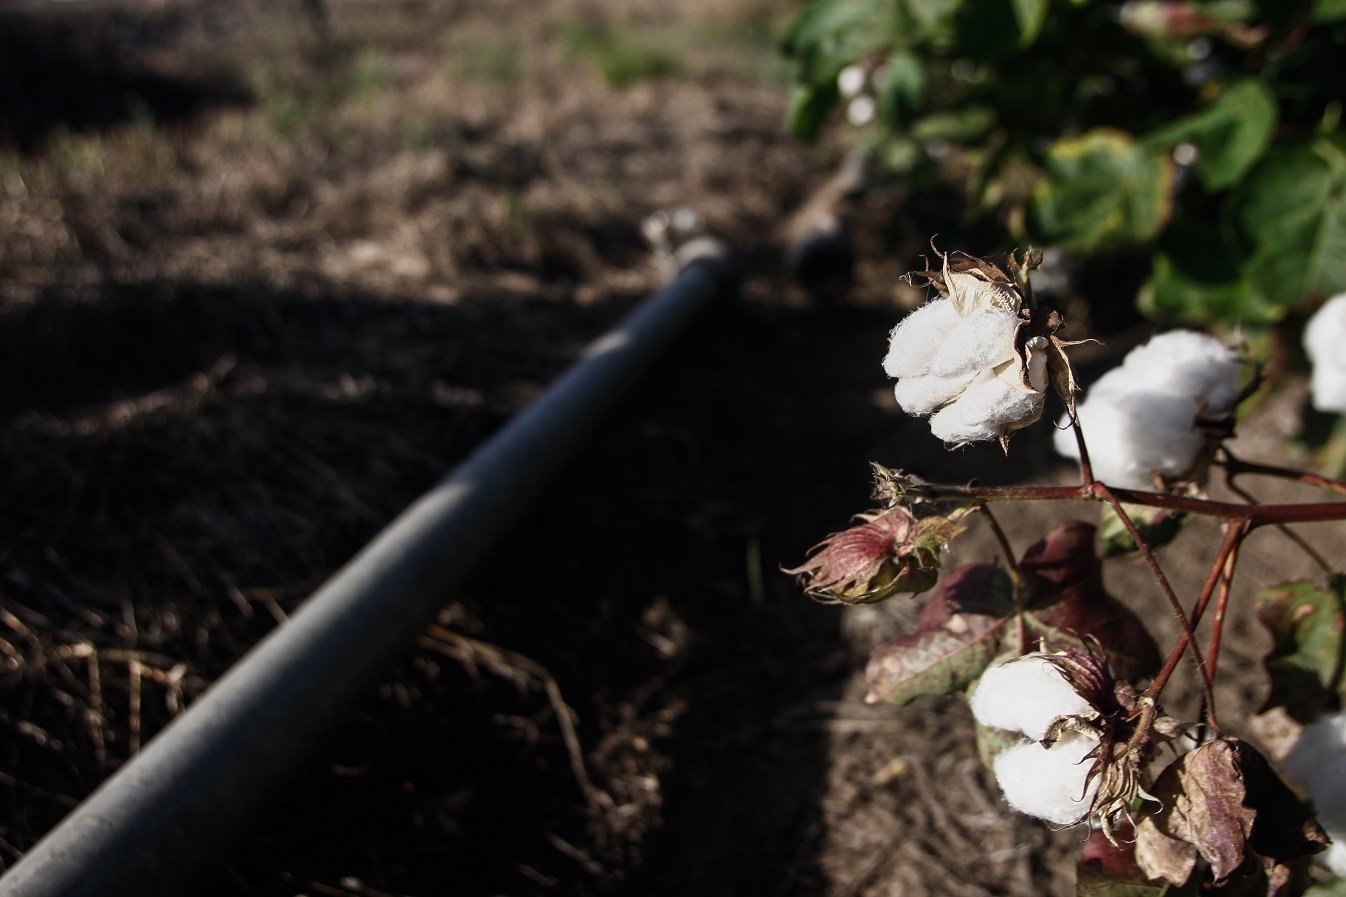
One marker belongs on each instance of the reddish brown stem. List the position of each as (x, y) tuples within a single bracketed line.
[(1174, 604), (1221, 603), (1254, 516), (1232, 535), (1235, 466)]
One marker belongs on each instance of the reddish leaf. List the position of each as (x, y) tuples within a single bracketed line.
[(1068, 602), (1284, 830), (1110, 870), (957, 636), (1201, 797)]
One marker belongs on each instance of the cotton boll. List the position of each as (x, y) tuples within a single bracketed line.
[(923, 395), (1317, 763), (1049, 783), (1131, 437), (1026, 695), (983, 339), (1328, 388), (1186, 363), (1323, 340), (1326, 333), (989, 408), (916, 338)]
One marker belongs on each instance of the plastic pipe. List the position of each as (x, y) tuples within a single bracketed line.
[(181, 798)]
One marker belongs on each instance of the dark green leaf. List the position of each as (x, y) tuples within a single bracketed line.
[(1334, 888), (1230, 135), (1102, 188), (994, 29), (957, 636), (1306, 623), (1157, 527), (809, 107), (1293, 208), (824, 19), (1325, 11), (901, 88), (1170, 295), (956, 126)]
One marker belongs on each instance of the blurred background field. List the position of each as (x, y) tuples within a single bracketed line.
[(267, 271)]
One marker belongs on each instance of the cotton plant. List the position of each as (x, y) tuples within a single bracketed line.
[(1325, 344), (1064, 681)]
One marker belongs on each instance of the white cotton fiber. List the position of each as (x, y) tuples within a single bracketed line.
[(982, 340), (1049, 783), (924, 395), (1325, 343), (1317, 763), (914, 341), (1026, 695), (988, 408), (1140, 419)]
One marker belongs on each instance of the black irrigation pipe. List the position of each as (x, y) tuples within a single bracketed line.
[(183, 797)]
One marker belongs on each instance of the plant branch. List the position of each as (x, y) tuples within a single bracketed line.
[(1086, 466), (1221, 604), (1285, 530), (1016, 576), (1235, 466), (1174, 604)]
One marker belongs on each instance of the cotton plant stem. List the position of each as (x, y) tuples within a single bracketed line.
[(1016, 576), (1256, 516), (1164, 586), (1235, 466), (1282, 528), (1221, 604), (1232, 535)]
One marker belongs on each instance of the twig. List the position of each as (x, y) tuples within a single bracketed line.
[(1284, 530), (1174, 604), (1016, 576), (1235, 466)]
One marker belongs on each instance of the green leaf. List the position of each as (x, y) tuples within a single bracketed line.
[(1230, 135), (1171, 295), (1334, 888), (956, 126), (994, 29), (1325, 11), (957, 636), (901, 88), (1293, 208), (991, 742), (928, 20), (1101, 188), (809, 107), (1157, 527), (1306, 623), (823, 19)]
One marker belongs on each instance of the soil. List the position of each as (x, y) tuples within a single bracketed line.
[(245, 321)]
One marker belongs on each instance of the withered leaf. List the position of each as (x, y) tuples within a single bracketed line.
[(1162, 856), (1067, 602), (1202, 802), (957, 635), (1284, 829), (1306, 622)]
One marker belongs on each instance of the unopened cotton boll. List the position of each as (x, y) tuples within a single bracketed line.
[(1049, 782), (1317, 763), (1026, 695), (1324, 338), (1140, 419)]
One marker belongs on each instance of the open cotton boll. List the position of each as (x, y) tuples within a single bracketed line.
[(1317, 763), (984, 411), (1049, 783), (916, 338), (1323, 340), (1186, 363), (1327, 387), (1132, 437), (924, 395), (1140, 419), (984, 339), (1026, 695)]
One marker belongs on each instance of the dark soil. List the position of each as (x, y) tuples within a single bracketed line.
[(240, 336)]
